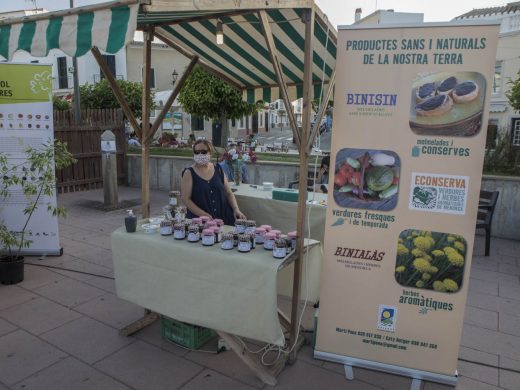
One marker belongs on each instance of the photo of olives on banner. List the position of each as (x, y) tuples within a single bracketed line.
[(430, 260), (366, 179)]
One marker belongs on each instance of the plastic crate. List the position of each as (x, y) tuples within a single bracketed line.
[(187, 335)]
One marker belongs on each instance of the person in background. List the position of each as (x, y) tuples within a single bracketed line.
[(322, 180), (205, 189), (133, 141), (191, 140)]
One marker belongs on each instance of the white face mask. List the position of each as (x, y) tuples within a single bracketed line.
[(202, 159)]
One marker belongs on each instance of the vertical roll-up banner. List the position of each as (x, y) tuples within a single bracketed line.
[(411, 106), (26, 120)]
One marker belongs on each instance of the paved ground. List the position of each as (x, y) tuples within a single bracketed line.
[(59, 329)]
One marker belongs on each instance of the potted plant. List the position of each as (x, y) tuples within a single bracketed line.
[(34, 178)]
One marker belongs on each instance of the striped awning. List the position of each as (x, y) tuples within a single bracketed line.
[(108, 26), (244, 58)]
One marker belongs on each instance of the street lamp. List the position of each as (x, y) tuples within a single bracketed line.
[(174, 76)]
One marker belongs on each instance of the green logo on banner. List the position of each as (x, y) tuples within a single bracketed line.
[(20, 83)]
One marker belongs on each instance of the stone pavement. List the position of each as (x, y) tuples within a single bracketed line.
[(59, 328)]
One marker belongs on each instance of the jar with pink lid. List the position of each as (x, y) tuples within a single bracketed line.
[(208, 237), (269, 241), (259, 235), (204, 218), (267, 228), (277, 232), (219, 222)]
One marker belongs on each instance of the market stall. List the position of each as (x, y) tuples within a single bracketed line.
[(284, 49)]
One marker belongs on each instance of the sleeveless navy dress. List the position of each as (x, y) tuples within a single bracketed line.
[(210, 196)]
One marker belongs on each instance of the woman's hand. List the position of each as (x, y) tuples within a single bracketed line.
[(238, 214)]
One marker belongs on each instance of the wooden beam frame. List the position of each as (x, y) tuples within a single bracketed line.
[(266, 28), (326, 98), (172, 97), (117, 91), (145, 124), (308, 19)]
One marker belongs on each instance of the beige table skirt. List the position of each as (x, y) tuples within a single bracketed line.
[(224, 290), (258, 205)]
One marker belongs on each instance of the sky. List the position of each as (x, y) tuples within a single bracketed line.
[(339, 12)]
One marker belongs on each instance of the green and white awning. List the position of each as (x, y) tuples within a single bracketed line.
[(109, 28), (244, 57)]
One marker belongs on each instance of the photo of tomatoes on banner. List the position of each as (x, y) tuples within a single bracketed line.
[(367, 179)]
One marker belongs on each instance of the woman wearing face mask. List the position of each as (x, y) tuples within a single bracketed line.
[(205, 189)]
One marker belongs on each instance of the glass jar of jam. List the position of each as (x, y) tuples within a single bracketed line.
[(240, 226), (259, 235), (180, 213), (292, 236), (193, 233), (179, 231), (217, 231), (227, 241), (219, 222), (208, 237), (277, 232), (269, 241), (250, 226), (210, 224), (174, 198), (166, 228), (280, 248), (267, 228), (244, 243)]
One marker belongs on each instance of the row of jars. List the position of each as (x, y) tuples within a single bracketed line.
[(245, 237)]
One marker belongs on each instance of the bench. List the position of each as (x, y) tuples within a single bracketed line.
[(486, 208)]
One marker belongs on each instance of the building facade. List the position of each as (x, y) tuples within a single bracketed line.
[(502, 117)]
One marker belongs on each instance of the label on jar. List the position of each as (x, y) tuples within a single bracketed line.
[(227, 244), (240, 229), (208, 240), (179, 234), (269, 244), (259, 238), (173, 201), (250, 230), (166, 230), (279, 253), (244, 246), (193, 237)]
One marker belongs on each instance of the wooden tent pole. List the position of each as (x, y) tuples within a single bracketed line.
[(308, 18), (117, 91), (262, 15), (145, 124), (325, 102), (172, 97)]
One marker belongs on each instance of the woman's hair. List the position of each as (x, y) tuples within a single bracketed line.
[(205, 142), (325, 161)]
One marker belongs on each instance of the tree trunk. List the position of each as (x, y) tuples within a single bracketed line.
[(224, 134)]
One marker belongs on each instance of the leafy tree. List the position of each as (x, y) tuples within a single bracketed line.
[(514, 93), (100, 95), (207, 96)]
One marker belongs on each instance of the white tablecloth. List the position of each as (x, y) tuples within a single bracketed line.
[(223, 290)]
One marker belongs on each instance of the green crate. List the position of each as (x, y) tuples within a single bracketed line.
[(187, 335)]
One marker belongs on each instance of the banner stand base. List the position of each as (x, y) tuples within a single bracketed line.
[(416, 375)]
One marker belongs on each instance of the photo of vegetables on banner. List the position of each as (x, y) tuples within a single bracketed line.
[(430, 260), (367, 179)]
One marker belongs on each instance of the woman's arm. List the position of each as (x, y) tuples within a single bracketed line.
[(232, 200), (186, 187)]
